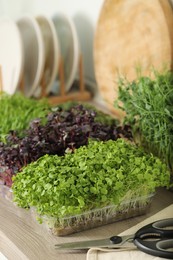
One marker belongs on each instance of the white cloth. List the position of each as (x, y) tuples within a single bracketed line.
[(2, 257), (132, 254)]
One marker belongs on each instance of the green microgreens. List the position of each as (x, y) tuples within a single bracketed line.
[(16, 111), (94, 176)]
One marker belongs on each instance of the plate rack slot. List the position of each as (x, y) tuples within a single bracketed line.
[(78, 95)]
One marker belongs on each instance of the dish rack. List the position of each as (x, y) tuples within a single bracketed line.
[(80, 95)]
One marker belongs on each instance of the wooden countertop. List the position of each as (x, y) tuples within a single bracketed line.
[(23, 238)]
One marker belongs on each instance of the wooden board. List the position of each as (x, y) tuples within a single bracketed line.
[(22, 238), (131, 34)]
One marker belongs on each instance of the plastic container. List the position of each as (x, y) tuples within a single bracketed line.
[(94, 218), (89, 219)]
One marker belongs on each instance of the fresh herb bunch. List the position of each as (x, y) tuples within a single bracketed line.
[(16, 111), (92, 177), (63, 131), (148, 104)]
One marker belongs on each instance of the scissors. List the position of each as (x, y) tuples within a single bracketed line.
[(155, 239)]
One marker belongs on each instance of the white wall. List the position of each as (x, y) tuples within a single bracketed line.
[(15, 8), (84, 14), (71, 7)]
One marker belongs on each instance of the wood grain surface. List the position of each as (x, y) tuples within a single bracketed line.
[(23, 238), (131, 34)]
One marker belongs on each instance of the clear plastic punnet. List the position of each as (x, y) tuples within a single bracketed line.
[(127, 208), (95, 218)]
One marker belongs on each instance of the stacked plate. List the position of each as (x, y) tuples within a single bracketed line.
[(30, 52), (11, 55)]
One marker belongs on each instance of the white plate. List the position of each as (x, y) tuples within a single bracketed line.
[(69, 47), (52, 50), (34, 54), (11, 55)]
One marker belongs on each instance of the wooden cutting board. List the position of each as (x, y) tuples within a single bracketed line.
[(131, 34)]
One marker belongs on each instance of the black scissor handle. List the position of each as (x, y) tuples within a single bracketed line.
[(158, 248), (161, 228), (161, 233)]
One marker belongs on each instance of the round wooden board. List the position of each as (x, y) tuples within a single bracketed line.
[(131, 34)]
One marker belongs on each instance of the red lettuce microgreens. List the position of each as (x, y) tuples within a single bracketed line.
[(62, 131)]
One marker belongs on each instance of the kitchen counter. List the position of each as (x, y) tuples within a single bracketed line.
[(21, 237)]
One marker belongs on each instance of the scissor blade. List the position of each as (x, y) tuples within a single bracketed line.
[(126, 241), (84, 244)]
